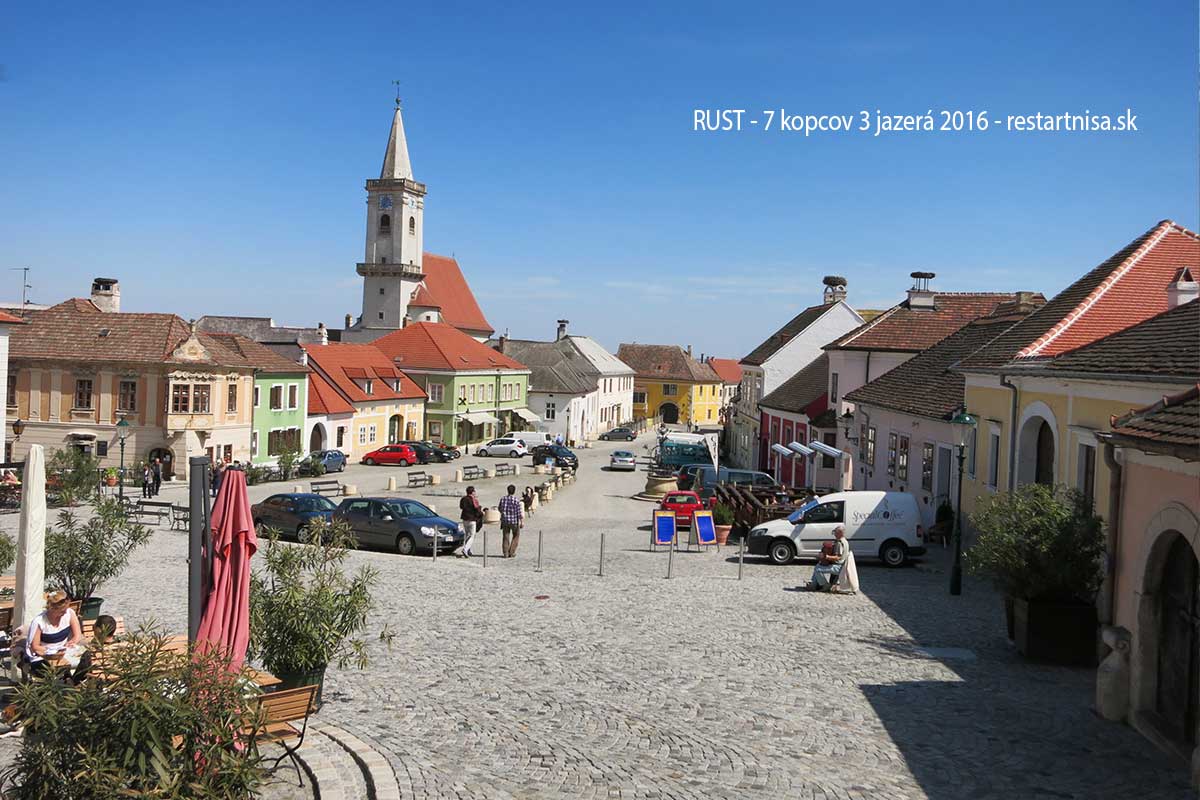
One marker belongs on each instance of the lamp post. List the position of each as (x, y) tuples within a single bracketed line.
[(122, 435), (963, 425)]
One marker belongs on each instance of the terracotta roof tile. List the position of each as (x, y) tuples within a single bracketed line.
[(324, 399), (445, 284), (1129, 287), (9, 319), (1172, 422), (728, 370), (658, 361), (794, 327), (800, 391), (438, 345), (334, 361), (908, 330)]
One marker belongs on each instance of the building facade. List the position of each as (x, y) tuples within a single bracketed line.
[(672, 387), (789, 415)]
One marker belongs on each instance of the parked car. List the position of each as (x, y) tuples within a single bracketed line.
[(684, 504), (332, 460), (405, 526), (707, 477), (533, 438), (504, 446), (883, 525), (427, 453), (622, 459), (450, 450), (291, 514), (400, 454), (562, 456), (687, 475), (619, 434)]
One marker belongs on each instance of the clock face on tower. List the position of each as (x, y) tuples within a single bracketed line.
[(385, 201)]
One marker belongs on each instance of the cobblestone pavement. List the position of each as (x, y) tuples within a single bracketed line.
[(634, 686)]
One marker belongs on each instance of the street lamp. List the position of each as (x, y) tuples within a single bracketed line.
[(963, 425), (122, 435)]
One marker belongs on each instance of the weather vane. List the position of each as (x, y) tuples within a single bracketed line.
[(397, 93)]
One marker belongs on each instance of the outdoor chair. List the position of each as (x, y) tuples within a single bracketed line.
[(274, 722)]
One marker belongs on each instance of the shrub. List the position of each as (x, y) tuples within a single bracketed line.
[(160, 725), (73, 474), (288, 459), (1039, 543), (722, 514), (305, 611), (8, 552), (80, 556)]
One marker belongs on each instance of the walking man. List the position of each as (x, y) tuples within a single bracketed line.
[(472, 517), (217, 474), (157, 470), (512, 517)]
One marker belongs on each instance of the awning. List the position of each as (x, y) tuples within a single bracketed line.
[(480, 418), (81, 435), (781, 450), (527, 415), (801, 449)]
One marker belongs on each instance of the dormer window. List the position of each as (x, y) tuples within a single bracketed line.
[(369, 386), (385, 222)]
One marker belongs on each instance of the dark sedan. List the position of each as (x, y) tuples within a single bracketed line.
[(561, 456), (291, 514), (404, 526), (617, 434), (428, 453)]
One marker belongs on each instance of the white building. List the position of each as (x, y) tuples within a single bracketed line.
[(784, 353), (578, 388)]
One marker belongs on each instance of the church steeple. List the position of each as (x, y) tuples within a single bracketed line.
[(395, 160)]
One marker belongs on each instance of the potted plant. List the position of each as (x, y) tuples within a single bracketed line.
[(81, 556), (1044, 548), (722, 522), (110, 476), (306, 611)]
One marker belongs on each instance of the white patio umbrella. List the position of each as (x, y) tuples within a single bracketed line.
[(31, 541)]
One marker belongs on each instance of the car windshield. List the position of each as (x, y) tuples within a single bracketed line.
[(681, 498), (798, 514), (411, 509)]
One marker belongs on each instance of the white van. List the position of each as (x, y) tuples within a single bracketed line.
[(533, 438), (883, 525)]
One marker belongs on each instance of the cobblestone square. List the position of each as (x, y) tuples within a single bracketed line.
[(634, 686)]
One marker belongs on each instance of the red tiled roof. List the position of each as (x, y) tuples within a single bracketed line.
[(9, 319), (335, 360), (1173, 422), (324, 399), (1129, 287), (658, 361), (727, 369), (909, 330), (438, 345), (445, 284), (421, 296)]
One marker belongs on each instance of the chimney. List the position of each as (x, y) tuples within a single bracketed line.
[(689, 351), (322, 333), (1183, 289), (835, 289), (348, 319), (562, 329), (920, 296), (303, 357), (106, 294), (502, 343)]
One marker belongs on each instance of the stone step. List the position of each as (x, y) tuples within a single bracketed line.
[(377, 774)]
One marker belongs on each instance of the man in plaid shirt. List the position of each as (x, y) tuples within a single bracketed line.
[(512, 517)]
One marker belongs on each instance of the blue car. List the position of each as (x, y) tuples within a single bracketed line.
[(403, 526), (333, 460), (291, 513)]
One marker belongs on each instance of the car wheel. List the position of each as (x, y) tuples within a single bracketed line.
[(301, 533), (403, 462), (342, 468), (782, 551), (513, 454), (481, 452), (370, 462), (405, 545), (894, 553)]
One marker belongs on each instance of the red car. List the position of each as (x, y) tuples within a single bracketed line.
[(400, 454), (683, 504)]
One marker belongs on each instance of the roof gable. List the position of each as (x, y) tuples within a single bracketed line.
[(446, 288), (801, 390), (790, 330), (659, 361), (343, 364), (727, 369), (440, 346)]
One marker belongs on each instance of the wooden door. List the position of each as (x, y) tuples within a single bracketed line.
[(1179, 644)]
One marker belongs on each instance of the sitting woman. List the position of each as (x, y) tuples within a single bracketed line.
[(830, 562), (52, 632)]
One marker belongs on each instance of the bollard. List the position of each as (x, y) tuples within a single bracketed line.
[(458, 476), (671, 556), (539, 564), (741, 556), (392, 483), (601, 554), (435, 538), (485, 547)]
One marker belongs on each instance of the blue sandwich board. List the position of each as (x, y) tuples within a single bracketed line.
[(704, 529), (664, 528)]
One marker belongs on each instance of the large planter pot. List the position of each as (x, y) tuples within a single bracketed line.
[(722, 533), (89, 608), (1056, 633), (294, 680), (110, 481)]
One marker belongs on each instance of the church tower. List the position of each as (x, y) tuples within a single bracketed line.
[(391, 268)]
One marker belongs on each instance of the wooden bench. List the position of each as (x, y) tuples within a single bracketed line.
[(473, 473), (505, 469), (159, 509), (416, 479), (325, 487), (276, 713)]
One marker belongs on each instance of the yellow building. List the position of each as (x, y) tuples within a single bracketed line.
[(672, 387), (1044, 388)]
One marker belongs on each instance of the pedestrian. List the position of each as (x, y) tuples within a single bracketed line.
[(527, 499), (512, 517), (472, 517), (217, 475), (558, 439), (147, 481), (157, 475)]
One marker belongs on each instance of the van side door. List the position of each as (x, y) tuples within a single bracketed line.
[(816, 527)]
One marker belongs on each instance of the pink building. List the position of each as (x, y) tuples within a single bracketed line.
[(797, 411)]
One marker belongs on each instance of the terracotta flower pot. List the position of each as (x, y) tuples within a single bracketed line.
[(722, 533), (110, 480)]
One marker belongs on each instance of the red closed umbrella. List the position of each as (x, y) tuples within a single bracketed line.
[(225, 622)]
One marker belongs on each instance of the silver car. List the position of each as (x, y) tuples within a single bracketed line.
[(623, 459)]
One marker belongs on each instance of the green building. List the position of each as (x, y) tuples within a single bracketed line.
[(279, 407)]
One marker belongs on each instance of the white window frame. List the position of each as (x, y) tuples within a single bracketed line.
[(362, 434), (371, 435), (436, 391)]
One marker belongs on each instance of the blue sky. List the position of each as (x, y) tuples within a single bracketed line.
[(213, 159)]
